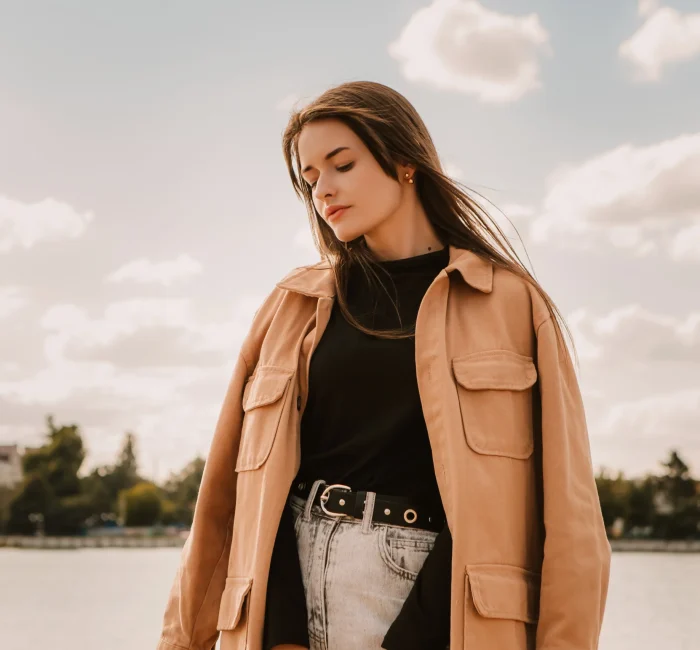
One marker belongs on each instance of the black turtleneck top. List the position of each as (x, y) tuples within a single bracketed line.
[(363, 426)]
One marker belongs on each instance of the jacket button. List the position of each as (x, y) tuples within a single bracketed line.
[(298, 402)]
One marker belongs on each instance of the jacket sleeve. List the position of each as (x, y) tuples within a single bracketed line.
[(577, 553), (193, 603), (192, 607), (424, 620)]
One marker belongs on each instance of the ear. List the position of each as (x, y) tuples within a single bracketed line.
[(404, 168)]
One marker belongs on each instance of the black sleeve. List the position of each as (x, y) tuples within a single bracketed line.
[(424, 620), (285, 609)]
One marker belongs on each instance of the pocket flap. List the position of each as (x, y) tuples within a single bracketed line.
[(505, 591), (494, 369), (232, 601), (265, 386)]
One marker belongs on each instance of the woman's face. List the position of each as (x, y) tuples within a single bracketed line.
[(351, 177)]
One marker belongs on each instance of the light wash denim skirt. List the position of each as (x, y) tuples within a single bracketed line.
[(356, 573)]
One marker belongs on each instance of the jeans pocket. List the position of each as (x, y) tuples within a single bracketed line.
[(404, 550)]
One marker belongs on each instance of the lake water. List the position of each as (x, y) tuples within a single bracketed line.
[(113, 599)]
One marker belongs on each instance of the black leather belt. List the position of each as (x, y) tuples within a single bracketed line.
[(338, 500)]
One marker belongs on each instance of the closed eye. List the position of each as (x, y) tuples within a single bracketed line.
[(342, 168)]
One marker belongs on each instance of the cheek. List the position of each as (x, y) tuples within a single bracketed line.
[(375, 191), (385, 196)]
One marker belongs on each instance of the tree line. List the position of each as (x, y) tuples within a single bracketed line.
[(56, 500), (663, 506)]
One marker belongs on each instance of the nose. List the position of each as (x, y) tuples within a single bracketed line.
[(322, 190)]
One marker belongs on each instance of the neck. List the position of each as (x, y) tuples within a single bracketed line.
[(406, 233)]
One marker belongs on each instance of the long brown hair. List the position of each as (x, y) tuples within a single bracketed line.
[(394, 133)]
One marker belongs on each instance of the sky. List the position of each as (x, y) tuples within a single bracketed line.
[(146, 210)]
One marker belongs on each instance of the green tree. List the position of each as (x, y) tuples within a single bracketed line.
[(65, 454), (181, 489), (120, 476), (51, 485), (100, 497), (640, 502), (141, 505), (679, 490), (35, 496), (126, 468), (613, 494), (7, 495), (168, 515)]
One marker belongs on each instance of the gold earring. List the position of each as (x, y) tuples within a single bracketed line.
[(410, 180)]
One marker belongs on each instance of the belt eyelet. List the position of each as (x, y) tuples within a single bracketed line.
[(407, 512)]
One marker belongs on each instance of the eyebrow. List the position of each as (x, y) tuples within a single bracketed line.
[(328, 156)]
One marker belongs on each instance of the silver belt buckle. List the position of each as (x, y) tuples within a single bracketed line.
[(324, 497)]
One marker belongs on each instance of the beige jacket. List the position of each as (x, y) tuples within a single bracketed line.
[(531, 558)]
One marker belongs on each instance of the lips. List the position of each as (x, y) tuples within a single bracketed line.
[(337, 213), (332, 209)]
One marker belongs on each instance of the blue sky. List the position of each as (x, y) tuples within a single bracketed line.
[(145, 208)]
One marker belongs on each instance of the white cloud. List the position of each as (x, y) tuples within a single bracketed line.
[(12, 299), (639, 379), (635, 197), (665, 37), (631, 350), (635, 335), (23, 224), (647, 7), (685, 245), (100, 382), (639, 433), (142, 350), (459, 45), (7, 367), (71, 325), (144, 331), (587, 348), (674, 416), (166, 273)]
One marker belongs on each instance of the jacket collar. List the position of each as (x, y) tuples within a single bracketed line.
[(317, 280)]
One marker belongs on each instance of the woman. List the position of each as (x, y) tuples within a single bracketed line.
[(439, 488)]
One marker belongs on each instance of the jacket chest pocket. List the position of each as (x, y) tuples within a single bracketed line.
[(263, 403), (495, 399)]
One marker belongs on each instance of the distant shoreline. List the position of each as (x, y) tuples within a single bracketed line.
[(122, 541), (176, 541), (655, 545)]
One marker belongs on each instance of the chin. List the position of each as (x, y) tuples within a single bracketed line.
[(346, 235)]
